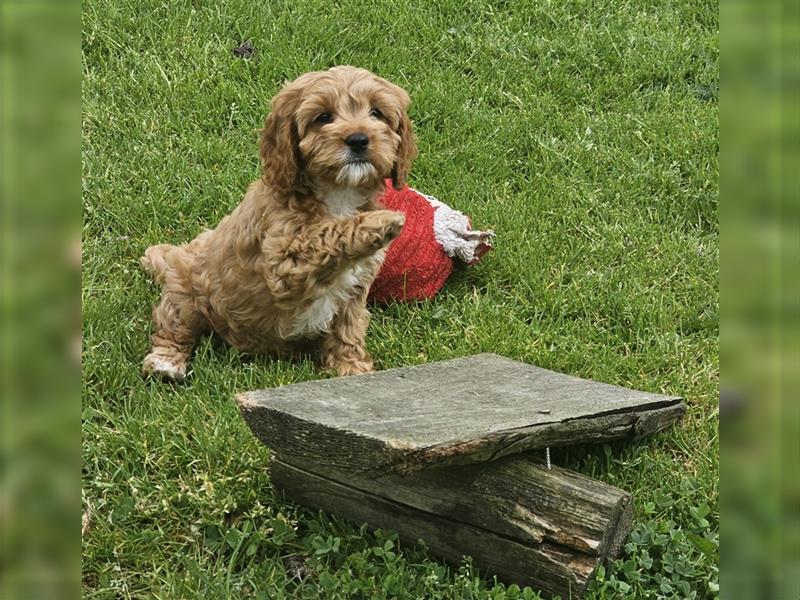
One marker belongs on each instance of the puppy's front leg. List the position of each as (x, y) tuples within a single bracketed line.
[(343, 349), (319, 253), (338, 241)]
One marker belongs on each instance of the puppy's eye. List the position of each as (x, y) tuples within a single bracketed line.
[(376, 113), (324, 118)]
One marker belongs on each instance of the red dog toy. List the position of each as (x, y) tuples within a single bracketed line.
[(420, 259)]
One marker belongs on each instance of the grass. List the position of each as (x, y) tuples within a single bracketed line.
[(584, 133)]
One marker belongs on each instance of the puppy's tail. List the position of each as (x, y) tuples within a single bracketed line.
[(153, 261)]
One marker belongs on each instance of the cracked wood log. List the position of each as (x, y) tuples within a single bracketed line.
[(433, 452), (466, 410), (527, 525)]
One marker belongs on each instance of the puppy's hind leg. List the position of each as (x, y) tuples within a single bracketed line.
[(177, 322), (153, 261)]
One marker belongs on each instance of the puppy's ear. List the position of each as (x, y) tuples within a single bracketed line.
[(280, 152), (407, 150)]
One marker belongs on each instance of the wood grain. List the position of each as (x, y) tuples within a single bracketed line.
[(519, 521), (437, 453), (466, 410)]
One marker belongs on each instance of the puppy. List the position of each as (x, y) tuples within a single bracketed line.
[(288, 271)]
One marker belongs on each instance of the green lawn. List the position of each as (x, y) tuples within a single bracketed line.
[(584, 133)]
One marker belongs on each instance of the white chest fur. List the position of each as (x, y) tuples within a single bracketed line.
[(344, 201), (318, 317)]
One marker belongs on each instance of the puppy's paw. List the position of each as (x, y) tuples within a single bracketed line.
[(383, 226), (345, 369), (159, 366), (348, 363)]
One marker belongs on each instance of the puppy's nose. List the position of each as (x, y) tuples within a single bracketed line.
[(358, 142)]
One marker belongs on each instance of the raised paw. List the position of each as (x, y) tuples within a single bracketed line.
[(382, 226), (160, 366)]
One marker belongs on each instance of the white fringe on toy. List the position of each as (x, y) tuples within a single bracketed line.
[(452, 230)]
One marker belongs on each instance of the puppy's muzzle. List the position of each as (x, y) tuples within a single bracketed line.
[(357, 142)]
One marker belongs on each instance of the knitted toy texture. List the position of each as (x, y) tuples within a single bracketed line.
[(420, 259)]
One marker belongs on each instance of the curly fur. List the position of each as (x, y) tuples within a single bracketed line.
[(289, 269)]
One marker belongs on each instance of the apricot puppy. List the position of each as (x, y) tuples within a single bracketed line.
[(289, 269)]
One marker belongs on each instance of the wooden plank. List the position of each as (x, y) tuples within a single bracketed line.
[(519, 521), (465, 410)]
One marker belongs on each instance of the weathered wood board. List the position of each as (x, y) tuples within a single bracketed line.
[(549, 529), (465, 410), (433, 452), (516, 497)]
